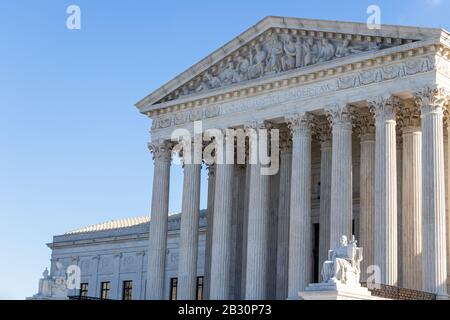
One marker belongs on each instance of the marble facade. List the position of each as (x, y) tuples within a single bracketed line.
[(366, 116)]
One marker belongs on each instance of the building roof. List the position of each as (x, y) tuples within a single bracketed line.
[(111, 225), (174, 219)]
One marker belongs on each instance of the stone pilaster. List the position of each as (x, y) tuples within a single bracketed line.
[(432, 101), (365, 127), (159, 217), (300, 253), (221, 246), (258, 224), (209, 228), (283, 216), (188, 243), (385, 219), (93, 282), (324, 137), (411, 220), (339, 117)]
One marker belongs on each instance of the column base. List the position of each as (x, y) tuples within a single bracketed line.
[(442, 297), (336, 291)]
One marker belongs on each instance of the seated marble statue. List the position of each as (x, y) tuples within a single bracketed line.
[(343, 264)]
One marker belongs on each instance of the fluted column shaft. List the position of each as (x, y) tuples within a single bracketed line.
[(283, 223), (245, 232), (238, 231), (159, 218), (221, 246), (209, 229), (300, 208), (257, 234), (367, 200), (325, 200), (433, 202), (447, 195), (412, 209), (341, 178), (188, 243), (385, 220)]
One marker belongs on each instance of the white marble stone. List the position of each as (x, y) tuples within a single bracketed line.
[(385, 218), (341, 177), (257, 232), (159, 219), (283, 222), (300, 208), (434, 255), (412, 209), (188, 247)]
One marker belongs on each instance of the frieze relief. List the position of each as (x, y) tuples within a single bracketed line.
[(362, 78), (277, 52)]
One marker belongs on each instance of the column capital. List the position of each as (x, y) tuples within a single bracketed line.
[(300, 123), (161, 150), (431, 99), (364, 123), (322, 131), (339, 115), (257, 125), (408, 115), (285, 141), (384, 107)]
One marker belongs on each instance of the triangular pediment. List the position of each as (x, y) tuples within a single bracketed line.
[(279, 45)]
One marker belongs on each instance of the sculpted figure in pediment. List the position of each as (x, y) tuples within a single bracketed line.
[(327, 50), (257, 63), (229, 75), (289, 58), (275, 53)]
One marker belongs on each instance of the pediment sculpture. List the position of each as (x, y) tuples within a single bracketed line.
[(272, 54), (343, 264)]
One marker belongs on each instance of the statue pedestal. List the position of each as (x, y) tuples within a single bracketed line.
[(336, 291)]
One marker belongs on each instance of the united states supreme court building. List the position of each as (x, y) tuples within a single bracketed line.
[(362, 124)]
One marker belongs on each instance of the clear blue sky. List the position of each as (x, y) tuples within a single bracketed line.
[(73, 144)]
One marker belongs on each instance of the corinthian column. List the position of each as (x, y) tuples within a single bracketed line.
[(223, 215), (209, 228), (300, 260), (447, 188), (283, 216), (258, 220), (366, 130), (431, 102), (323, 135), (411, 239), (341, 178), (159, 216), (188, 243), (385, 219)]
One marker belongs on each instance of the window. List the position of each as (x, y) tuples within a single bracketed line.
[(199, 288), (127, 290), (173, 288), (84, 288), (104, 293)]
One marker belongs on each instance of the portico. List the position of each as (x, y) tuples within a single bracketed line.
[(340, 95)]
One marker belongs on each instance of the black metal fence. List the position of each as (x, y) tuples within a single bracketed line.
[(83, 298), (396, 293)]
